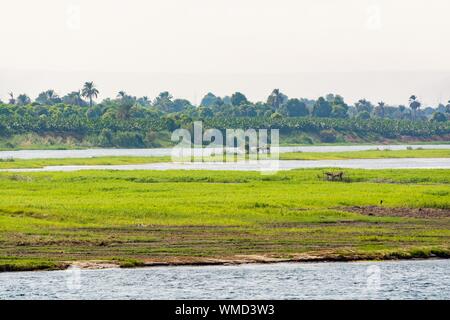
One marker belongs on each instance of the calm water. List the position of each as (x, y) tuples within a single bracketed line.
[(363, 280), (87, 153), (262, 165)]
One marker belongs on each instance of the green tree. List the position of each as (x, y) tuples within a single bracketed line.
[(74, 98), (90, 92), (11, 101), (295, 108), (23, 99), (238, 99), (164, 102), (48, 98), (226, 101), (415, 105), (93, 113), (447, 108), (339, 111), (211, 100), (404, 113), (363, 115), (379, 110), (125, 105), (179, 105), (276, 99), (438, 117), (322, 108), (364, 105), (205, 112), (121, 95), (144, 101), (105, 138)]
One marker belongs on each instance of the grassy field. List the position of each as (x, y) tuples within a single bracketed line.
[(50, 220), (372, 154), (40, 163)]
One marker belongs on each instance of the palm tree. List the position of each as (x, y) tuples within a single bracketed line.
[(380, 109), (11, 98), (74, 98), (23, 99), (48, 97), (164, 101), (89, 91), (52, 95), (414, 104), (276, 99), (76, 94), (124, 110), (121, 94), (144, 101)]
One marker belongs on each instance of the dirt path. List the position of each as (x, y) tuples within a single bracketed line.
[(379, 211)]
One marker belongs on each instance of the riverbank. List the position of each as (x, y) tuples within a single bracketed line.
[(313, 257), (415, 254), (50, 220), (33, 141)]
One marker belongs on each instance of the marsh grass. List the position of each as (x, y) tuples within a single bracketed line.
[(370, 154), (47, 219), (10, 163)]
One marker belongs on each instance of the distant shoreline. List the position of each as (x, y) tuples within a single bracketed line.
[(343, 144)]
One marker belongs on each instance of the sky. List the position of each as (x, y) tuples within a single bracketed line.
[(378, 49)]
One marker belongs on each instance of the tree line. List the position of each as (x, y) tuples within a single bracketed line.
[(237, 105), (127, 120)]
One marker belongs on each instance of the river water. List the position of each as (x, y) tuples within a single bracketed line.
[(426, 279), (157, 152), (269, 166)]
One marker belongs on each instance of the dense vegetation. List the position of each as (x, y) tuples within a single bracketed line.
[(129, 121), (49, 219)]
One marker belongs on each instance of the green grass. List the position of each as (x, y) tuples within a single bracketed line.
[(372, 154), (40, 163), (50, 219)]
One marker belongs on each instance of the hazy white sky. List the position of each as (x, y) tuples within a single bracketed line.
[(73, 39)]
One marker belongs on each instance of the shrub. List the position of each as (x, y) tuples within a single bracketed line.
[(105, 138), (128, 139), (327, 136)]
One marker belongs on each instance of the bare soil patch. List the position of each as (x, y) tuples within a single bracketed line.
[(378, 211), (94, 264)]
